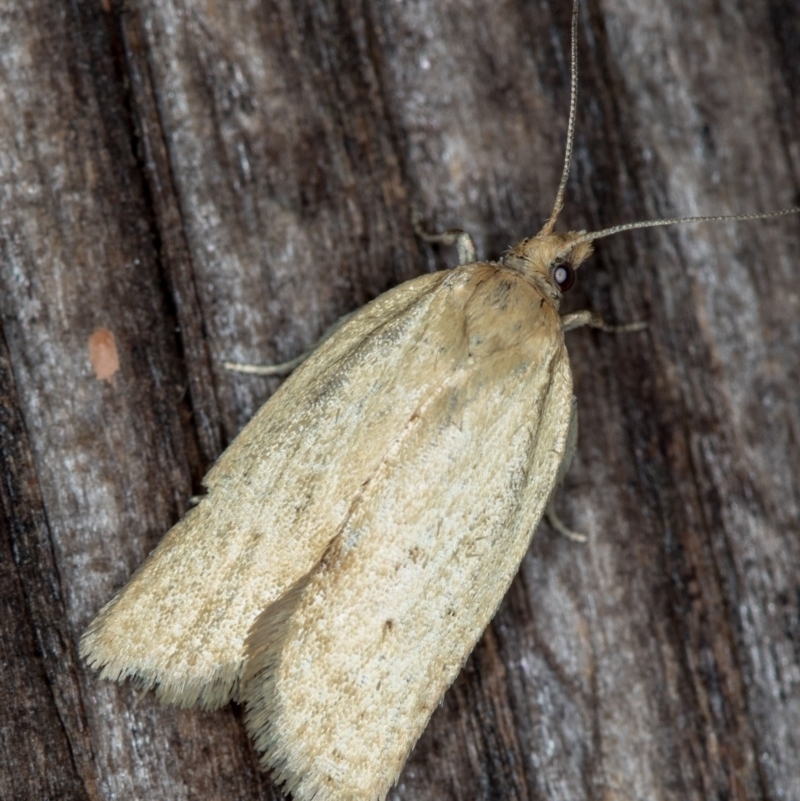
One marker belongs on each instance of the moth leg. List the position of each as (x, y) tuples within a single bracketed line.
[(284, 368), (461, 239), (550, 512), (558, 524), (594, 320)]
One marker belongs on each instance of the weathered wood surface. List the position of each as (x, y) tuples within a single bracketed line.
[(223, 180)]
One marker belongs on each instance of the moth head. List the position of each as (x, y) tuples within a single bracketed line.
[(550, 261)]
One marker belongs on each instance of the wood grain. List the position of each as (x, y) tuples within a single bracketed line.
[(221, 181)]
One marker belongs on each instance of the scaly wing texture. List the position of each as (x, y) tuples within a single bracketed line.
[(276, 498), (344, 673)]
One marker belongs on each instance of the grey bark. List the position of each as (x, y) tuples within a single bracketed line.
[(215, 181)]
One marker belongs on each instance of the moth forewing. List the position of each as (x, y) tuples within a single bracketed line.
[(348, 681), (341, 531), (276, 498)]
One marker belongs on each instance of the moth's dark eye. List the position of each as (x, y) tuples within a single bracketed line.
[(564, 276)]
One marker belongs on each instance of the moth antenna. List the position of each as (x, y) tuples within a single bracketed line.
[(573, 104), (559, 204), (591, 236)]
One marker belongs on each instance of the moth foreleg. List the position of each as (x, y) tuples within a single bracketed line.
[(461, 239), (594, 320)]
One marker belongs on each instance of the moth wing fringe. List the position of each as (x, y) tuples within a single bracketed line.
[(207, 693)]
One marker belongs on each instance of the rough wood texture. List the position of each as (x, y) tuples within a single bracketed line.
[(223, 180)]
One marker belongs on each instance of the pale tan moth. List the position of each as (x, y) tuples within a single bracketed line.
[(315, 583)]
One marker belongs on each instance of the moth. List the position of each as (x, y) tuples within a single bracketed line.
[(359, 534)]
